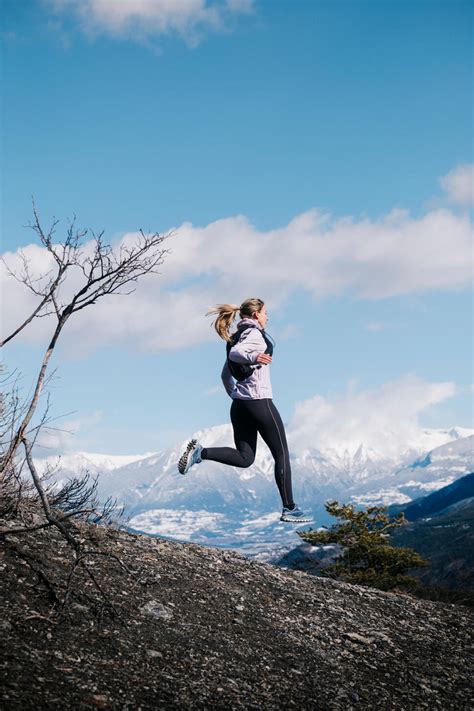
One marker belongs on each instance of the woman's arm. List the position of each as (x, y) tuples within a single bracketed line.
[(249, 347), (227, 379)]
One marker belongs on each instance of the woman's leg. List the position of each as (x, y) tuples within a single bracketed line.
[(272, 431), (245, 438)]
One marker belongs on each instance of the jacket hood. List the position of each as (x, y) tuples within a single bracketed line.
[(249, 322)]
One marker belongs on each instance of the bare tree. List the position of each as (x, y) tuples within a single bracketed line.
[(104, 271), (99, 270)]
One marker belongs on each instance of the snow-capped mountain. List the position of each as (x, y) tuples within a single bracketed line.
[(233, 507), (77, 463)]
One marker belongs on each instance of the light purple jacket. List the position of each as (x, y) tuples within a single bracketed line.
[(257, 386)]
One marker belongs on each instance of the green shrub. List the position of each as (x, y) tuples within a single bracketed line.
[(367, 558)]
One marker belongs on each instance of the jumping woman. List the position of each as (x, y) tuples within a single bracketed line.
[(246, 378)]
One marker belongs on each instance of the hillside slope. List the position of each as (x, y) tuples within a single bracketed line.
[(435, 503), (202, 628), (447, 542)]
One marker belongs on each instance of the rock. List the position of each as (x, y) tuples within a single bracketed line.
[(156, 609), (79, 608), (355, 637), (154, 654), (100, 701)]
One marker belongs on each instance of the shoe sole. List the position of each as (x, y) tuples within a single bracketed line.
[(296, 520), (183, 461)]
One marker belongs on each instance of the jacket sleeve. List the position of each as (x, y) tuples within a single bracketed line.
[(247, 349), (227, 379)]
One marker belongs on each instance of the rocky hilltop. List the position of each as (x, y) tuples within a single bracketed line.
[(184, 626)]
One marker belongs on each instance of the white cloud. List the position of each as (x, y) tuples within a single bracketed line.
[(384, 419), (459, 184), (229, 260), (143, 19)]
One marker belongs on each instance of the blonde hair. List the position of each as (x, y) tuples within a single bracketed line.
[(225, 315)]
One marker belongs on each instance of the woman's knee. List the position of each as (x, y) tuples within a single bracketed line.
[(247, 457), (247, 460)]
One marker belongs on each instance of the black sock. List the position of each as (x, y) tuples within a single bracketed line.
[(290, 507), (203, 453)]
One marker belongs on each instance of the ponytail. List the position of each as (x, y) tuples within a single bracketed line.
[(225, 315)]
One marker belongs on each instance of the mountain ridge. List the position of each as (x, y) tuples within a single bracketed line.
[(239, 508)]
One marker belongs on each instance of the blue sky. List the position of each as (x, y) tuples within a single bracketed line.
[(336, 136)]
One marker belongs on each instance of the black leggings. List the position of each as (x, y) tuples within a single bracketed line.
[(250, 417)]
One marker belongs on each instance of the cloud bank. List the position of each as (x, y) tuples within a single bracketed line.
[(384, 419), (141, 19), (229, 260)]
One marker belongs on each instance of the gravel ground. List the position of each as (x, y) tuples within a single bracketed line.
[(200, 628)]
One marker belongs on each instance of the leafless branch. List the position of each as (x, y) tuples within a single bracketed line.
[(106, 271), (44, 498)]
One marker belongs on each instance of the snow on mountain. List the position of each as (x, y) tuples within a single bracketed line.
[(239, 508), (76, 463), (154, 482), (428, 472), (253, 535), (429, 439)]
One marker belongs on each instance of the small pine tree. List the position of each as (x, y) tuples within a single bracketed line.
[(367, 557)]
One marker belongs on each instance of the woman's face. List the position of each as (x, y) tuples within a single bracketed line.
[(262, 316)]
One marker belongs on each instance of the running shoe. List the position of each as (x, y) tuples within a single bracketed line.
[(191, 455), (295, 515)]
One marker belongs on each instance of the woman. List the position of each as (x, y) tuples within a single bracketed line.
[(246, 378)]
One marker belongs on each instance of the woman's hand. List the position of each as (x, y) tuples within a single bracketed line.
[(264, 358)]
